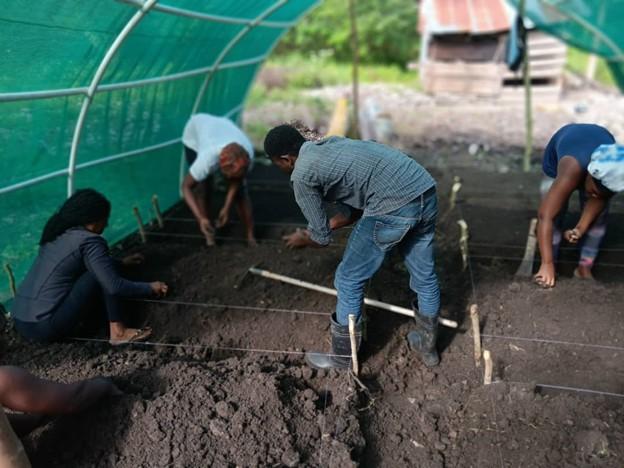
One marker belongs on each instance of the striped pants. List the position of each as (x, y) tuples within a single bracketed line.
[(590, 243)]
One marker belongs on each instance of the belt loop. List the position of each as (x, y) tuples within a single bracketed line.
[(422, 201)]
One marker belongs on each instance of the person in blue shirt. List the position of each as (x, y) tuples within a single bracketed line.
[(394, 199), (74, 275), (566, 160)]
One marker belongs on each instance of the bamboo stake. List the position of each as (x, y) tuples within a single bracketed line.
[(355, 68), (371, 302), (9, 272), (354, 358), (487, 376), (476, 333), (526, 267), (528, 106), (12, 454), (156, 206), (463, 242), (137, 215), (454, 191)]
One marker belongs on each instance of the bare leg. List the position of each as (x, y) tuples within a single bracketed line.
[(119, 333), (204, 194), (243, 207), (590, 244)]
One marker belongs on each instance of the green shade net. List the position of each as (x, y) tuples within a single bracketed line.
[(130, 143), (592, 25)]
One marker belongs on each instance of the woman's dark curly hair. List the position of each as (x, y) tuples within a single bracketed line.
[(83, 207)]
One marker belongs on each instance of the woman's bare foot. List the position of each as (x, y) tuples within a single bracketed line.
[(583, 272), (119, 334)]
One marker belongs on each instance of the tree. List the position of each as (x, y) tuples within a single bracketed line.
[(387, 30)]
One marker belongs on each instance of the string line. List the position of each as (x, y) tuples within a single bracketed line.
[(205, 346), (542, 340), (229, 306)]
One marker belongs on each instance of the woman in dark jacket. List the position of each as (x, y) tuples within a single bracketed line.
[(74, 273)]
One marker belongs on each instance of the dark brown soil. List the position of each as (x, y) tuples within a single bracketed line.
[(222, 395)]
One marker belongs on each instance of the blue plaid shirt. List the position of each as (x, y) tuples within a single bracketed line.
[(364, 175)]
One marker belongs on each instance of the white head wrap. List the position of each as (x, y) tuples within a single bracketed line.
[(607, 165)]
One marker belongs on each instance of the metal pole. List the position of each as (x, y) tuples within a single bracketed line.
[(86, 103), (204, 86), (55, 93), (208, 17), (97, 162), (235, 40)]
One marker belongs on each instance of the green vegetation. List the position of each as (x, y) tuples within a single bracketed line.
[(285, 78), (577, 62), (387, 31)]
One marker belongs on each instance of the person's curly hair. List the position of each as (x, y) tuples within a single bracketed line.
[(234, 161), (83, 207)]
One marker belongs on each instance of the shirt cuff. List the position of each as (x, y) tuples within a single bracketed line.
[(319, 238)]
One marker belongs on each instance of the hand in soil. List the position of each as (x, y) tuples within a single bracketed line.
[(223, 218), (298, 239), (160, 289), (207, 229), (110, 388), (572, 235), (583, 272), (133, 259), (545, 277)]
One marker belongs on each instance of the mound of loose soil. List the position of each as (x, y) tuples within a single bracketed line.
[(242, 412)]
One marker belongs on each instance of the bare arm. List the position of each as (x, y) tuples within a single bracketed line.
[(22, 391), (233, 186), (569, 175), (340, 220), (198, 209), (593, 208), (230, 196), (187, 191)]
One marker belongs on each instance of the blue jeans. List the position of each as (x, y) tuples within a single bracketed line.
[(412, 229)]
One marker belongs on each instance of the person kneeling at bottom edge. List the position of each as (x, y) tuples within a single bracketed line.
[(37, 400), (74, 275), (394, 199)]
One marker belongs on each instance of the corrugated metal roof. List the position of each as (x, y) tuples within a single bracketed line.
[(465, 16)]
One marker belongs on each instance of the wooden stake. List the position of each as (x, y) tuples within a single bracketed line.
[(137, 215), (355, 50), (476, 333), (156, 206), (454, 191), (9, 273), (487, 376), (526, 267), (354, 358), (12, 453), (463, 242), (528, 106)]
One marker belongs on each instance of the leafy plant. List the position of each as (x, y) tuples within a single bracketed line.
[(386, 28)]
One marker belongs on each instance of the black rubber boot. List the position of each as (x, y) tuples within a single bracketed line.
[(423, 339), (340, 356)]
